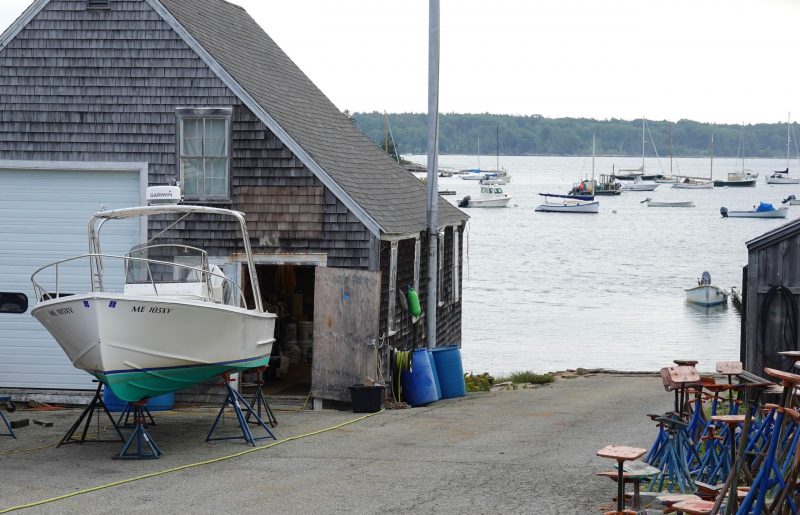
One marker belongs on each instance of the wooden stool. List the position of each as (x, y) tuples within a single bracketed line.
[(621, 454), (669, 500), (731, 421), (694, 507), (634, 472)]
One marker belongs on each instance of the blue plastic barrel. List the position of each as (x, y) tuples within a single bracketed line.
[(450, 371), (417, 383), (435, 375), (160, 403)]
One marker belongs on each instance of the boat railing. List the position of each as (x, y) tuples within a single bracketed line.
[(43, 293)]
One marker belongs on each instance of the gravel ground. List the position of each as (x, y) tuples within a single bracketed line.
[(523, 451)]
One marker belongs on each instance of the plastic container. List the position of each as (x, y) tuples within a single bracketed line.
[(450, 371), (161, 403), (435, 375), (367, 398), (417, 384)]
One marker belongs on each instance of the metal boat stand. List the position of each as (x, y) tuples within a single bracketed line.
[(237, 402), (10, 406), (146, 448), (126, 413), (95, 405), (259, 400)]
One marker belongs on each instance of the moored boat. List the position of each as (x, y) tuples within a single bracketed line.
[(639, 185), (656, 203), (705, 293), (742, 179), (763, 210), (491, 196), (782, 177), (176, 322), (567, 205)]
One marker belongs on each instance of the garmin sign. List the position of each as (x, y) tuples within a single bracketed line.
[(163, 195)]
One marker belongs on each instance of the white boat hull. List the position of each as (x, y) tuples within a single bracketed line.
[(569, 207), (670, 204), (780, 212), (143, 346), (783, 180), (492, 202), (706, 295), (691, 186), (643, 186)]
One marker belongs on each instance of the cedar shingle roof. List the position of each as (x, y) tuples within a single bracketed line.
[(388, 193)]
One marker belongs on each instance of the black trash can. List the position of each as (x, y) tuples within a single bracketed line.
[(367, 398)]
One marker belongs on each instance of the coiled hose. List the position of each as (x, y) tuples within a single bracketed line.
[(790, 341), (402, 362)]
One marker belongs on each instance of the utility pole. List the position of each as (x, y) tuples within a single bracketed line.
[(433, 169)]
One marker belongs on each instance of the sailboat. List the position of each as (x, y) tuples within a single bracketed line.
[(694, 183), (639, 173), (554, 203), (782, 176), (742, 178)]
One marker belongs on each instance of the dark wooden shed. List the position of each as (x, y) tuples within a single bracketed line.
[(195, 91), (771, 296)]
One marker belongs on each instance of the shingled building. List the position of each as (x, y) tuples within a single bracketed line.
[(101, 98)]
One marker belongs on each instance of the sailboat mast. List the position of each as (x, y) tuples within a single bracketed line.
[(670, 150), (497, 145), (788, 139), (593, 184), (643, 142), (711, 170)]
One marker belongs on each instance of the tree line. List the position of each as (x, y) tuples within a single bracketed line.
[(470, 134)]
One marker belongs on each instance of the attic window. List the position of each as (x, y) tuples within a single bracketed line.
[(205, 137), (98, 5)]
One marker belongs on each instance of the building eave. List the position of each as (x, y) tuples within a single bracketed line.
[(21, 22)]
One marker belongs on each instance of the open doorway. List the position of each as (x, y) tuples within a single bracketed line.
[(287, 291)]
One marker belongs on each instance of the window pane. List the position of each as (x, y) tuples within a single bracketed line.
[(192, 173), (216, 187), (214, 138), (192, 137), (216, 168)]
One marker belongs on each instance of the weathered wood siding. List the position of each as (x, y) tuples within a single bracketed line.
[(769, 331), (410, 335), (80, 85)]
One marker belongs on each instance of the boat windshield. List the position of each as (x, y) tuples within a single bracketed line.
[(156, 263)]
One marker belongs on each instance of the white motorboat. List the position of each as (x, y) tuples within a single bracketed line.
[(492, 195), (494, 182), (567, 205), (690, 183), (639, 185), (763, 210), (791, 200), (177, 320), (473, 176), (782, 177), (656, 203), (705, 293)]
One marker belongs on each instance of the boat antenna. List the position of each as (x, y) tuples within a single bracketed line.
[(711, 170), (644, 140), (788, 139), (497, 145), (670, 150)]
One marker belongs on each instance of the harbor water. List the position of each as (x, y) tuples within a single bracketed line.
[(552, 291)]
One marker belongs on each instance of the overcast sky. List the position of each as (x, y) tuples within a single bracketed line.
[(724, 61)]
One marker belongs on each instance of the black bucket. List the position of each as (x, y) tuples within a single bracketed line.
[(367, 398)]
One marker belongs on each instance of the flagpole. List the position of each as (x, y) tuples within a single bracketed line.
[(433, 168)]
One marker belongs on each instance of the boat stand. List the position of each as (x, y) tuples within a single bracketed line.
[(94, 406), (146, 448), (259, 400), (10, 407), (236, 401), (127, 411)]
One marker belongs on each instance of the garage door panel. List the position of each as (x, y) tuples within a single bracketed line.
[(46, 215)]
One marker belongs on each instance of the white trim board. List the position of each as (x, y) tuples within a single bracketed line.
[(21, 22)]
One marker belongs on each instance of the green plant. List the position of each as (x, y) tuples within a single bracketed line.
[(478, 383), (526, 377)]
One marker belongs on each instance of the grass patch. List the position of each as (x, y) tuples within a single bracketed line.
[(526, 377)]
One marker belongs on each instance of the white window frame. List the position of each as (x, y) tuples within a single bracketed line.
[(391, 326), (456, 266), (206, 113), (440, 266)]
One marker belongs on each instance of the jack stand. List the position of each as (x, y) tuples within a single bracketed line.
[(11, 408), (128, 411), (96, 404), (259, 400), (236, 401), (150, 450)]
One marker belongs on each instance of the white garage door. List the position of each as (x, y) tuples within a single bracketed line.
[(44, 217)]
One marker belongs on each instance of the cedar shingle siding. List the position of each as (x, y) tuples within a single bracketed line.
[(104, 85)]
